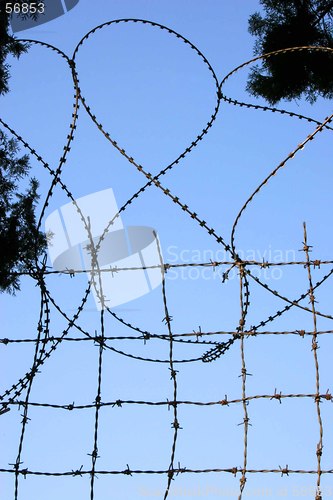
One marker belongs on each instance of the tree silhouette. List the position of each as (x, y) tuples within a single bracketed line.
[(20, 241), (9, 45), (293, 23)]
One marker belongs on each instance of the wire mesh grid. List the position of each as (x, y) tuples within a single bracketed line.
[(98, 418)]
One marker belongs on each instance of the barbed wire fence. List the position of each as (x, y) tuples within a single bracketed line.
[(17, 396)]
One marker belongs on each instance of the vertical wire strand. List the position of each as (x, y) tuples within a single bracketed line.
[(44, 309), (94, 454), (244, 374), (314, 349), (175, 424)]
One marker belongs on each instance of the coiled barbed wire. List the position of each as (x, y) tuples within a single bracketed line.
[(39, 274)]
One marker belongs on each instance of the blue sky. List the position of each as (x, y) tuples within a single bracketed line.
[(154, 95)]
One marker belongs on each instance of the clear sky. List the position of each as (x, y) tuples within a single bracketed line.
[(154, 95)]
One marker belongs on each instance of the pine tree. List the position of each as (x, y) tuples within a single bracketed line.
[(293, 23), (20, 241)]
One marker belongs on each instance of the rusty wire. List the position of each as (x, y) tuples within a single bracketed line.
[(46, 342)]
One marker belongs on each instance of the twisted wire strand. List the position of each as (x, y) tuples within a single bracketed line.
[(39, 273)]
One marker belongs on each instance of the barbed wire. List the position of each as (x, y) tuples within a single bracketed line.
[(46, 342)]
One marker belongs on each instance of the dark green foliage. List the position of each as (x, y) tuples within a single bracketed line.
[(8, 46), (20, 242), (293, 23)]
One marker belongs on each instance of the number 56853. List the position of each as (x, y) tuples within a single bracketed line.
[(25, 8)]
